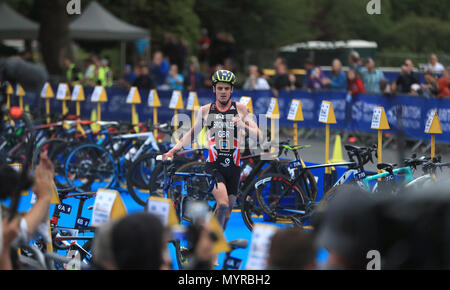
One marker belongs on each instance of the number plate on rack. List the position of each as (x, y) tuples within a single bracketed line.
[(64, 208), (360, 175), (295, 164), (82, 222)]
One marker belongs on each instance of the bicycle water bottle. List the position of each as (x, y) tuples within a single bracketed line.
[(130, 154), (246, 172)]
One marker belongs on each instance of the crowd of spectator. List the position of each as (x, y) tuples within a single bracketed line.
[(171, 69)]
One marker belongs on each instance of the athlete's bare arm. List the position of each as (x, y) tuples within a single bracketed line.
[(246, 121), (190, 135)]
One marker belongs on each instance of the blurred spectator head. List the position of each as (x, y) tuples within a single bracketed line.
[(27, 55), (351, 74), (353, 58), (336, 65), (193, 67), (253, 70), (278, 61), (404, 69), (144, 70), (137, 70), (66, 62), (173, 69), (96, 60), (136, 242), (348, 229), (309, 64), (158, 58), (429, 77), (409, 63), (282, 69), (292, 249), (370, 64), (127, 69), (433, 59)]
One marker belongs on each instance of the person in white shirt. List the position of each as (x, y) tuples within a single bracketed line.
[(255, 81), (436, 68)]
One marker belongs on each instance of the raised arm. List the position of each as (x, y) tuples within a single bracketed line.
[(245, 121)]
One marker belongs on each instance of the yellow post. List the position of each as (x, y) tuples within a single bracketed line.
[(433, 145), (47, 94), (176, 103), (327, 117), (327, 148), (273, 113), (20, 92), (380, 148), (380, 123), (153, 102), (64, 107), (78, 108), (9, 92), (133, 114), (433, 127), (296, 115), (155, 120), (99, 111), (295, 133), (47, 110)]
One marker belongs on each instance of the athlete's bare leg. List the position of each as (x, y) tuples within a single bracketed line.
[(222, 204)]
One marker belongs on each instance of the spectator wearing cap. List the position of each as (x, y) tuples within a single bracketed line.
[(193, 79), (371, 77), (435, 66), (256, 81)]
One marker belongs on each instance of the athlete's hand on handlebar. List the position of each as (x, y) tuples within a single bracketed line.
[(168, 156)]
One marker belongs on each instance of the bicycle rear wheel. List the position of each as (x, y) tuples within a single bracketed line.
[(139, 178), (279, 198), (88, 164)]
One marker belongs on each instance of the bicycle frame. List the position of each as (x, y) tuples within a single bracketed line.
[(404, 170)]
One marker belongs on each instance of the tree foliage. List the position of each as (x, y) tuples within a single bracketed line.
[(407, 25)]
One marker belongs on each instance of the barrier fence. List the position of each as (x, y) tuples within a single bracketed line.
[(355, 114)]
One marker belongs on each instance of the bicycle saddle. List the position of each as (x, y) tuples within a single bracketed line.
[(352, 148), (386, 166), (296, 147), (238, 244)]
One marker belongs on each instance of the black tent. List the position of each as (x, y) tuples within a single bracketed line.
[(98, 24), (15, 26)]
